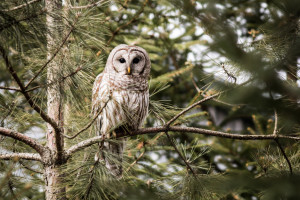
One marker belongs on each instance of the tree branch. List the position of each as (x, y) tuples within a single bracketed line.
[(87, 6), (9, 88), (128, 23), (54, 54), (25, 156), (88, 125), (180, 155), (14, 21), (94, 140), (23, 91), (23, 138), (20, 6), (285, 156), (190, 107), (63, 78)]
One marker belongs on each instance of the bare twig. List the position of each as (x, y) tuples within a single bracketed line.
[(136, 160), (88, 125), (23, 138), (228, 74), (94, 140), (285, 156), (9, 88), (191, 107), (180, 155), (275, 123), (29, 168), (275, 132), (54, 54), (25, 94), (20, 6)]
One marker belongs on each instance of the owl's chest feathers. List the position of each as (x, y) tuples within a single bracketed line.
[(125, 106)]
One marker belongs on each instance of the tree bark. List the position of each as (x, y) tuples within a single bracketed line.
[(52, 173)]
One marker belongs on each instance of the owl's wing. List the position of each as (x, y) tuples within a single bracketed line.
[(96, 101)]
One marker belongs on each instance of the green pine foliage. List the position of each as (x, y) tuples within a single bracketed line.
[(249, 50)]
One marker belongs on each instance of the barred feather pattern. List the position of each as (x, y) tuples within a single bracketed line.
[(123, 101)]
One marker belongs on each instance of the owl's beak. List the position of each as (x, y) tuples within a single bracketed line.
[(129, 69)]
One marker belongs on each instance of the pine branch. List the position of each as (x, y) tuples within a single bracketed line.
[(9, 88), (191, 107), (136, 160), (29, 168), (25, 156), (23, 138), (60, 81), (127, 24), (25, 94), (20, 6), (54, 54), (143, 131), (279, 145), (88, 125), (285, 156), (180, 155), (87, 6), (14, 21)]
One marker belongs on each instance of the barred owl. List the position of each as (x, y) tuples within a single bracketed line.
[(121, 96)]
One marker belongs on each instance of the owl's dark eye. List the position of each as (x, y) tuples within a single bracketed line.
[(136, 60), (122, 60)]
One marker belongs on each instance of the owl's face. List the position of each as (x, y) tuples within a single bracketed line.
[(129, 60)]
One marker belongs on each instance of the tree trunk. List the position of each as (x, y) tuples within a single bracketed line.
[(52, 173)]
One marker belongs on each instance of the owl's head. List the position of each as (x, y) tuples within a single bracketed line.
[(129, 60)]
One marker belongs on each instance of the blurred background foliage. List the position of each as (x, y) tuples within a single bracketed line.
[(250, 49)]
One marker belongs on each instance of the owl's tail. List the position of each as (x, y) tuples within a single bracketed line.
[(113, 156)]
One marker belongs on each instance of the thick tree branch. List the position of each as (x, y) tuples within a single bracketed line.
[(94, 140), (25, 156), (23, 91), (23, 138)]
